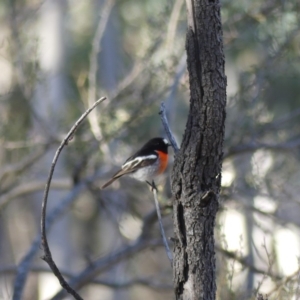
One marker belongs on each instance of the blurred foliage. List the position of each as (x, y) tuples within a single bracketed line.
[(46, 62)]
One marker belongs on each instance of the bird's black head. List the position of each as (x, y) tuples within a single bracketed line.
[(158, 143)]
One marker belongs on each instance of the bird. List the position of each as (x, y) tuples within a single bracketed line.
[(147, 163)]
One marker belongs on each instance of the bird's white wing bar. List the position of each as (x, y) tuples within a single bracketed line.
[(132, 163)]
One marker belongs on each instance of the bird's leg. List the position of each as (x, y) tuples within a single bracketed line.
[(152, 185), (149, 183)]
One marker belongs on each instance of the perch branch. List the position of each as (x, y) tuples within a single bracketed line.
[(154, 191), (162, 113)]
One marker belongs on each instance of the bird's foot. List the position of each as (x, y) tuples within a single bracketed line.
[(152, 185)]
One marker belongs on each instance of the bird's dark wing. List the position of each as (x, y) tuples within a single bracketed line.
[(137, 162), (131, 165)]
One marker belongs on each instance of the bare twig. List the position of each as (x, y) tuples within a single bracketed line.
[(154, 191), (48, 256), (164, 120), (284, 282)]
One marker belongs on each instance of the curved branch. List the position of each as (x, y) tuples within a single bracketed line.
[(24, 265), (48, 256)]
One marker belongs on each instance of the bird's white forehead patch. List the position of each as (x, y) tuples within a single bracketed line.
[(166, 141)]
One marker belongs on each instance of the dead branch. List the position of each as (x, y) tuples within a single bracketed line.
[(48, 256)]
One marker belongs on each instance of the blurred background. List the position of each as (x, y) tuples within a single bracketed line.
[(56, 58)]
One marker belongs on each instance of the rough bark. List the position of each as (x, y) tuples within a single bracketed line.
[(196, 174)]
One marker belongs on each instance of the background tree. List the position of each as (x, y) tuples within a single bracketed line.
[(56, 56)]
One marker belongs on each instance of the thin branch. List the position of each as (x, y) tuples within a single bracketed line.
[(23, 269), (172, 26), (170, 102), (154, 191), (244, 262), (24, 265), (282, 120), (125, 252), (25, 163), (48, 256), (104, 263), (31, 187), (147, 282), (28, 143), (253, 146), (22, 78), (137, 281), (150, 219), (18, 47), (162, 113), (93, 117), (285, 281), (127, 80)]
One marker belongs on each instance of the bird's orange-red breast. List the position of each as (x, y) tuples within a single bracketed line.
[(163, 161)]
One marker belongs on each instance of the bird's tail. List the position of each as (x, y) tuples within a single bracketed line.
[(108, 183)]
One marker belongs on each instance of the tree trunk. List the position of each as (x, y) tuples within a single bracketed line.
[(196, 177)]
